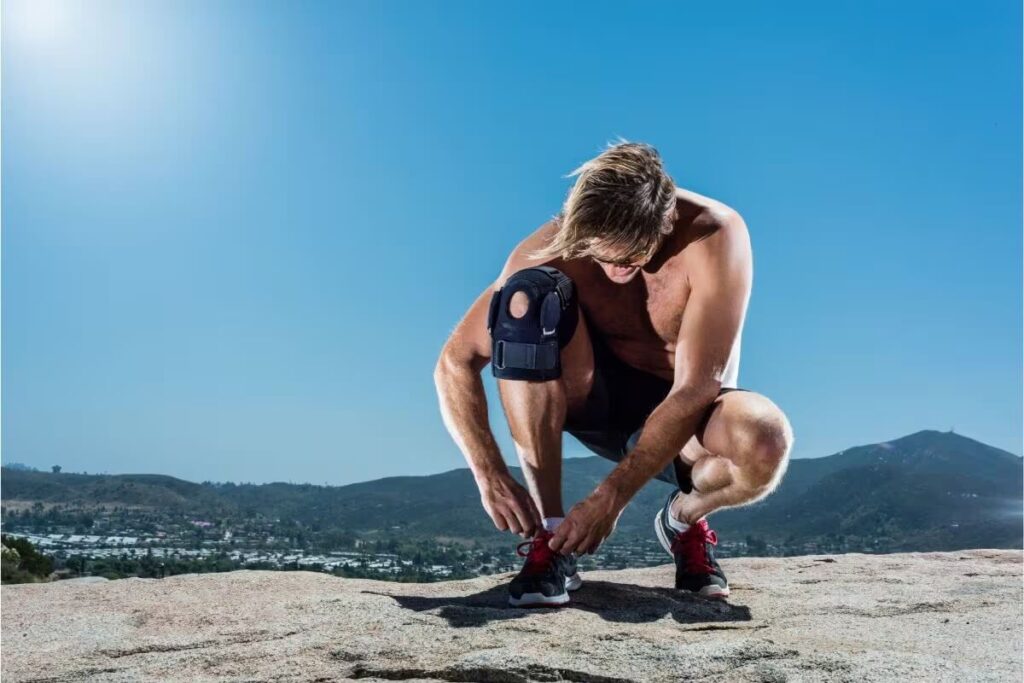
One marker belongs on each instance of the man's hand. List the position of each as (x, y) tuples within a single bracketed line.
[(510, 506), (587, 525)]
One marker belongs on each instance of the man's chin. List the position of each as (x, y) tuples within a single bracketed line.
[(621, 278)]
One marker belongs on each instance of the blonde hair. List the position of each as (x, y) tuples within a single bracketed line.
[(622, 201)]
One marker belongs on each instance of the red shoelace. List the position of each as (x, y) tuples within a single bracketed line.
[(691, 545), (538, 555)]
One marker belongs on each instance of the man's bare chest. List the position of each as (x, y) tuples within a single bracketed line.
[(645, 312)]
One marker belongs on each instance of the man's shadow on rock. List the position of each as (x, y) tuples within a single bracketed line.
[(619, 602)]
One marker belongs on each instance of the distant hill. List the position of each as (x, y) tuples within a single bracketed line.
[(20, 466), (927, 491)]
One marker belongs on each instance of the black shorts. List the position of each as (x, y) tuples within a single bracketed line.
[(620, 400)]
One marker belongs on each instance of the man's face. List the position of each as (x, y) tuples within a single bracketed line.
[(619, 269)]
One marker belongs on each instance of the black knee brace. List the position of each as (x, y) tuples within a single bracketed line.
[(530, 347)]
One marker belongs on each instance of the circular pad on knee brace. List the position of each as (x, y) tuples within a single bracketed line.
[(529, 347)]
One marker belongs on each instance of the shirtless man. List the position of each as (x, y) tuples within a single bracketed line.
[(619, 322)]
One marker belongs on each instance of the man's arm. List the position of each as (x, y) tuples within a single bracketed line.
[(460, 391), (720, 280)]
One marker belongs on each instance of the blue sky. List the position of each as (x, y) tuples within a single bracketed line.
[(236, 234)]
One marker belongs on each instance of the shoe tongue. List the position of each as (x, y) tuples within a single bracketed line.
[(694, 546), (698, 528)]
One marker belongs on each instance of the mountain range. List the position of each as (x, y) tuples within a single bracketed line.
[(927, 491)]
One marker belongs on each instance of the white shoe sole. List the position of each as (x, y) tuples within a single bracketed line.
[(706, 591), (713, 592), (540, 600)]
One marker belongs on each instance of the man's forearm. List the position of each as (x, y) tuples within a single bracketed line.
[(463, 403), (670, 426)]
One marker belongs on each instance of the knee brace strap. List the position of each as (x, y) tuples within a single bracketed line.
[(529, 347)]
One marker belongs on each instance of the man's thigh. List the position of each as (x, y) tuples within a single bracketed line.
[(578, 367)]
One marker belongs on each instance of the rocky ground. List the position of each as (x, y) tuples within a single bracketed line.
[(923, 616)]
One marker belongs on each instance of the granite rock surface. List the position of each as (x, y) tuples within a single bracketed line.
[(919, 616)]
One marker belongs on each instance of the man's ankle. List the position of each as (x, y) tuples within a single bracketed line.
[(674, 514)]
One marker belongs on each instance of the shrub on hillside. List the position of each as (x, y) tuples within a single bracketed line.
[(20, 562)]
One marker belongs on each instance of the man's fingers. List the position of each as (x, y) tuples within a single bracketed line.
[(513, 524), (593, 545), (558, 539), (507, 519), (591, 542), (499, 521), (580, 544), (594, 542), (526, 510), (520, 528), (525, 519), (571, 543)]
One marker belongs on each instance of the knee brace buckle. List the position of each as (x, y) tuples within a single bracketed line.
[(529, 347)]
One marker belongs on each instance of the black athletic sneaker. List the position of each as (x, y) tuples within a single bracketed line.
[(546, 578), (697, 570)]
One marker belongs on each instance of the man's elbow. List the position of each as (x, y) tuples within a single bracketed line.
[(443, 367), (453, 360)]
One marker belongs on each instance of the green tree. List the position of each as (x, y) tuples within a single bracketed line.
[(21, 562)]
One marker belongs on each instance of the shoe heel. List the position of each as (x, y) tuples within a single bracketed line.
[(660, 533)]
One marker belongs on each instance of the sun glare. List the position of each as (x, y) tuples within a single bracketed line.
[(36, 23)]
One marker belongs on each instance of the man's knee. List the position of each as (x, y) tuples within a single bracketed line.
[(531, 319), (764, 437)]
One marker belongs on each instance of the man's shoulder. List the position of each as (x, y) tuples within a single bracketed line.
[(537, 239), (719, 236), (711, 213), (522, 256), (722, 228)]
